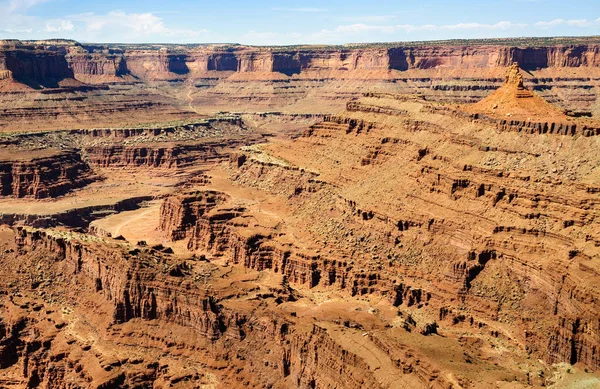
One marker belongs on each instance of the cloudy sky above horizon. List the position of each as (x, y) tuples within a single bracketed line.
[(277, 23)]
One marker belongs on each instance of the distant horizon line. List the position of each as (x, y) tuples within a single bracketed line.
[(349, 44)]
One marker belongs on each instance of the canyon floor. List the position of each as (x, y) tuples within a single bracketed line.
[(301, 232)]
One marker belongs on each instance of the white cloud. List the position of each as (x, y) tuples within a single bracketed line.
[(550, 24), (115, 26), (342, 32), (59, 26), (17, 21), (139, 25), (583, 23), (580, 23), (358, 28), (503, 25), (11, 31), (13, 22)]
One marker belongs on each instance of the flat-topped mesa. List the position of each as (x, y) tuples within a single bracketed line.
[(101, 63), (459, 72), (43, 67)]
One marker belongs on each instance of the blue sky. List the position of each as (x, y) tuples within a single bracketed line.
[(293, 22)]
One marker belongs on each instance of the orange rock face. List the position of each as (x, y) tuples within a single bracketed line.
[(43, 177), (401, 242), (210, 79), (514, 100)]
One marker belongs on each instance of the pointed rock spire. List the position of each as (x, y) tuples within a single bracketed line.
[(514, 77)]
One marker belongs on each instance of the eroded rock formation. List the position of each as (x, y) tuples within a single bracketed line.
[(43, 177), (504, 241), (239, 77), (401, 243)]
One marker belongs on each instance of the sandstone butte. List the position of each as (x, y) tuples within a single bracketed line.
[(417, 215)]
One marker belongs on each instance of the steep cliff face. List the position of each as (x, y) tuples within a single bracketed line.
[(394, 175), (160, 303), (531, 58), (251, 62), (156, 65), (400, 243), (517, 195), (119, 156), (296, 62), (97, 67), (443, 57), (36, 67), (50, 164), (124, 278), (180, 214), (555, 57), (219, 77), (44, 177), (159, 156), (222, 62), (89, 63), (209, 222), (407, 58), (575, 340), (38, 348)]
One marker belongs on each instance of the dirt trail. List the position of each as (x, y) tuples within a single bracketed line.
[(133, 219), (190, 98)]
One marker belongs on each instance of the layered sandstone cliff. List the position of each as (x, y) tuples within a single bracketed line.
[(401, 243), (171, 62), (142, 283), (135, 289), (454, 215), (119, 79), (42, 66), (48, 176)]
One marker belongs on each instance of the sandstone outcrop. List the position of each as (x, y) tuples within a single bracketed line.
[(111, 85), (403, 242), (36, 66), (513, 99), (518, 192), (91, 65), (134, 289), (530, 53), (171, 63), (517, 216), (144, 283), (43, 177), (159, 156), (43, 165)]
